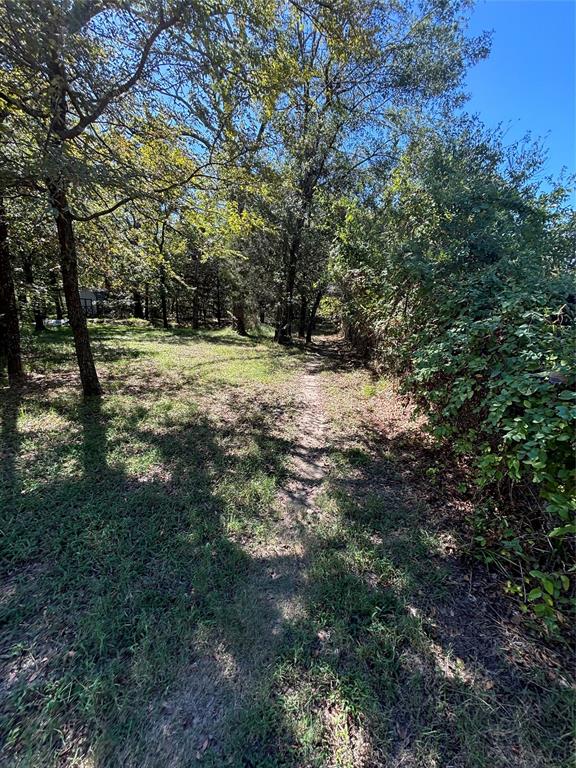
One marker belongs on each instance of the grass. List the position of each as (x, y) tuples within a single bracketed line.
[(136, 560), (364, 681)]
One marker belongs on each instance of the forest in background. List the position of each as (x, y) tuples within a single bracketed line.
[(258, 162)]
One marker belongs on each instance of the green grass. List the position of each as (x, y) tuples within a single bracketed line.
[(131, 527), (121, 524)]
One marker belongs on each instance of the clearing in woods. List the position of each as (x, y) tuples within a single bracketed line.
[(249, 556)]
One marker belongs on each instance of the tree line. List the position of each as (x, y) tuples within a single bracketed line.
[(459, 279)]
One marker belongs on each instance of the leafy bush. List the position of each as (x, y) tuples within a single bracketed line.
[(502, 390)]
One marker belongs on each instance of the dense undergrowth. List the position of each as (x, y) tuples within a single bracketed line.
[(460, 282)]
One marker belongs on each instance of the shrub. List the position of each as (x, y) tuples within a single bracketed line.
[(501, 388)]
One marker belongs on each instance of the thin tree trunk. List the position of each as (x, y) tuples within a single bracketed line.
[(303, 315), (147, 302), (312, 317), (56, 296), (39, 326), (239, 317), (195, 311), (283, 333), (138, 309), (218, 301), (160, 236), (9, 327), (58, 303), (196, 295), (36, 309), (163, 302), (69, 267)]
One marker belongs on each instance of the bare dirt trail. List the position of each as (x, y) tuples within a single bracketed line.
[(281, 559), (308, 460), (284, 554)]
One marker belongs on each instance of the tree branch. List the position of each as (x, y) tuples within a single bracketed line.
[(124, 87)]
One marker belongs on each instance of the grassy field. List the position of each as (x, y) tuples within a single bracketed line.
[(164, 604)]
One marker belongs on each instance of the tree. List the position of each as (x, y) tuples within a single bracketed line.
[(10, 347), (84, 71), (9, 327), (67, 86)]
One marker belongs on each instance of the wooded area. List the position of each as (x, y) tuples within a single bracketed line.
[(246, 171)]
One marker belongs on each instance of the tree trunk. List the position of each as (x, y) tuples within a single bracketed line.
[(147, 302), (56, 184), (69, 267), (196, 295), (58, 303), (138, 309), (312, 317), (283, 333), (218, 301), (56, 296), (239, 317), (195, 310), (262, 314), (163, 302), (36, 309), (9, 327), (302, 317)]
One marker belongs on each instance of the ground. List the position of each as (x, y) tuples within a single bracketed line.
[(249, 556)]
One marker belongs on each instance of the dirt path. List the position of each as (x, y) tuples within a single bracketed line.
[(278, 579), (308, 460)]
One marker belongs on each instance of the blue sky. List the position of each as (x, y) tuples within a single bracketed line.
[(528, 82)]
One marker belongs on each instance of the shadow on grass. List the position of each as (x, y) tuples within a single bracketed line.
[(332, 354), (54, 348), (116, 583), (398, 662), (133, 624)]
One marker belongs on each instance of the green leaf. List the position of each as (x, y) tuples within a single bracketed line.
[(563, 530)]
